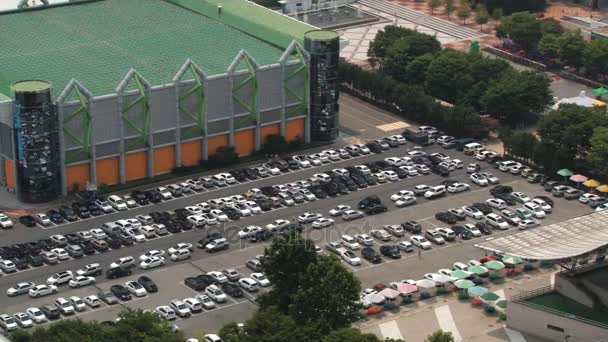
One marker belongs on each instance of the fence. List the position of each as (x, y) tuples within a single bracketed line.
[(514, 58), (582, 80)]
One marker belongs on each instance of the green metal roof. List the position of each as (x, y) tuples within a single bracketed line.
[(98, 42)]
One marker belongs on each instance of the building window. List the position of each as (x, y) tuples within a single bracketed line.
[(553, 327)]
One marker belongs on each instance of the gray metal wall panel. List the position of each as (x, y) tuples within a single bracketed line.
[(217, 98), (269, 86), (270, 116), (6, 113), (296, 83), (74, 125), (106, 119), (6, 143), (135, 114), (163, 138), (244, 93), (107, 149), (218, 127), (189, 103), (162, 109)]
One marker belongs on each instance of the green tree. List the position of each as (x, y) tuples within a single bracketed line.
[(404, 51), (549, 45), (598, 155), (136, 325), (516, 94), (571, 48), (275, 144), (440, 336), (350, 335), (449, 7), (270, 325), (551, 26), (383, 40), (286, 264), (481, 16), (497, 14), (464, 12), (415, 72), (522, 27), (434, 4), (231, 332), (596, 55), (449, 75), (335, 311), (522, 144)]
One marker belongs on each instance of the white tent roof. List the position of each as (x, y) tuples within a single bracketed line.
[(556, 241)]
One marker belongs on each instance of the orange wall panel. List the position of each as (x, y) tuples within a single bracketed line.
[(191, 153), (244, 142), (136, 165), (294, 129), (265, 131), (77, 174), (9, 173), (108, 171), (216, 141), (164, 159)]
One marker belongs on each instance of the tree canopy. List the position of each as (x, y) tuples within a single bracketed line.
[(522, 28), (596, 55), (598, 154), (440, 336)]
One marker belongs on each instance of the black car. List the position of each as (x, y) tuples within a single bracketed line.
[(172, 227), (446, 217), (461, 231), (374, 147), (507, 198), (412, 226), (501, 189), (32, 248), (484, 228), (342, 188), (35, 260), (369, 201), (73, 239), (88, 248), (94, 209), (20, 249), (440, 170), (448, 182), (546, 199), (153, 196), (140, 197), (68, 214), (535, 178), (120, 292), (269, 191), (370, 254), (331, 188), (21, 263), (185, 225), (113, 242), (280, 164), (239, 175), (264, 203), (50, 311), (232, 290), (373, 167), (182, 213), (249, 173), (196, 283), (293, 164), (55, 216), (125, 239), (549, 185), (359, 180), (208, 238), (46, 244), (81, 210), (483, 207), (148, 284), (375, 209), (391, 251), (118, 272), (262, 235), (7, 253), (209, 280), (232, 214), (318, 191), (27, 221), (369, 179)]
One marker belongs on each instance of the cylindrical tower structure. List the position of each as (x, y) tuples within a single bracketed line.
[(324, 49), (36, 142)]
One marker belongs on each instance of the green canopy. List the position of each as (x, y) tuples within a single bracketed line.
[(464, 284), (477, 290), (459, 274), (494, 265), (502, 304), (565, 173), (478, 269), (600, 91), (512, 260), (489, 296)]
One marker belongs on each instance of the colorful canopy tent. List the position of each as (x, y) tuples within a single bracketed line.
[(389, 293), (460, 274), (489, 297), (406, 289), (565, 172), (494, 265), (478, 269), (502, 304), (512, 260), (373, 299), (600, 91), (477, 290), (578, 178), (602, 188), (425, 284), (591, 183), (464, 284)]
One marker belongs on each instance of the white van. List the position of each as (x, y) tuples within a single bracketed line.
[(148, 231), (473, 148), (117, 203), (111, 228)]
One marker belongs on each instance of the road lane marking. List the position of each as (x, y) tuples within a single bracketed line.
[(446, 321), (390, 330)]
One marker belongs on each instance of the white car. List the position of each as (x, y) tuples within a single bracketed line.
[(60, 278), (277, 224), (350, 215), (364, 239), (458, 187), (214, 292), (78, 303), (21, 318), (19, 289), (152, 262), (179, 246), (420, 242), (152, 253), (8, 323), (528, 223), (165, 312), (180, 308), (127, 261), (194, 304), (490, 177), (92, 301), (136, 235), (363, 169), (331, 154), (474, 230), (400, 194), (496, 221), (536, 210), (349, 242), (42, 290), (308, 217), (302, 162), (362, 148), (248, 284), (339, 210), (395, 161), (586, 198), (60, 253), (473, 212), (218, 215), (42, 219), (543, 205), (497, 203), (253, 207), (322, 223), (261, 279), (520, 197), (601, 207), (412, 171), (98, 234), (421, 168), (205, 301), (322, 177), (220, 277), (81, 281), (249, 231), (136, 289), (478, 179), (86, 235), (36, 315), (405, 201), (350, 257)]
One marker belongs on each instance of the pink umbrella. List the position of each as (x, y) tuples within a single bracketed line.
[(407, 288), (578, 178)]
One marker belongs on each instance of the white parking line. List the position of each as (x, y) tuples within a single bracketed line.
[(446, 321), (390, 330)]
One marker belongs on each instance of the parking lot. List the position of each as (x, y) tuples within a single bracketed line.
[(170, 277)]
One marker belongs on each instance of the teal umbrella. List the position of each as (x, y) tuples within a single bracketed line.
[(459, 274), (489, 297), (600, 91), (502, 304), (494, 265), (477, 290), (565, 173), (478, 269), (513, 260), (464, 284)]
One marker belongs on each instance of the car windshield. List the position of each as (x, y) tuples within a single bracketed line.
[(9, 320)]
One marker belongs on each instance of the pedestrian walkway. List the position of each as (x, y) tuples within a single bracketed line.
[(446, 321), (390, 330)]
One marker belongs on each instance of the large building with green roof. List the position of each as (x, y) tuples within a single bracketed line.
[(141, 87)]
